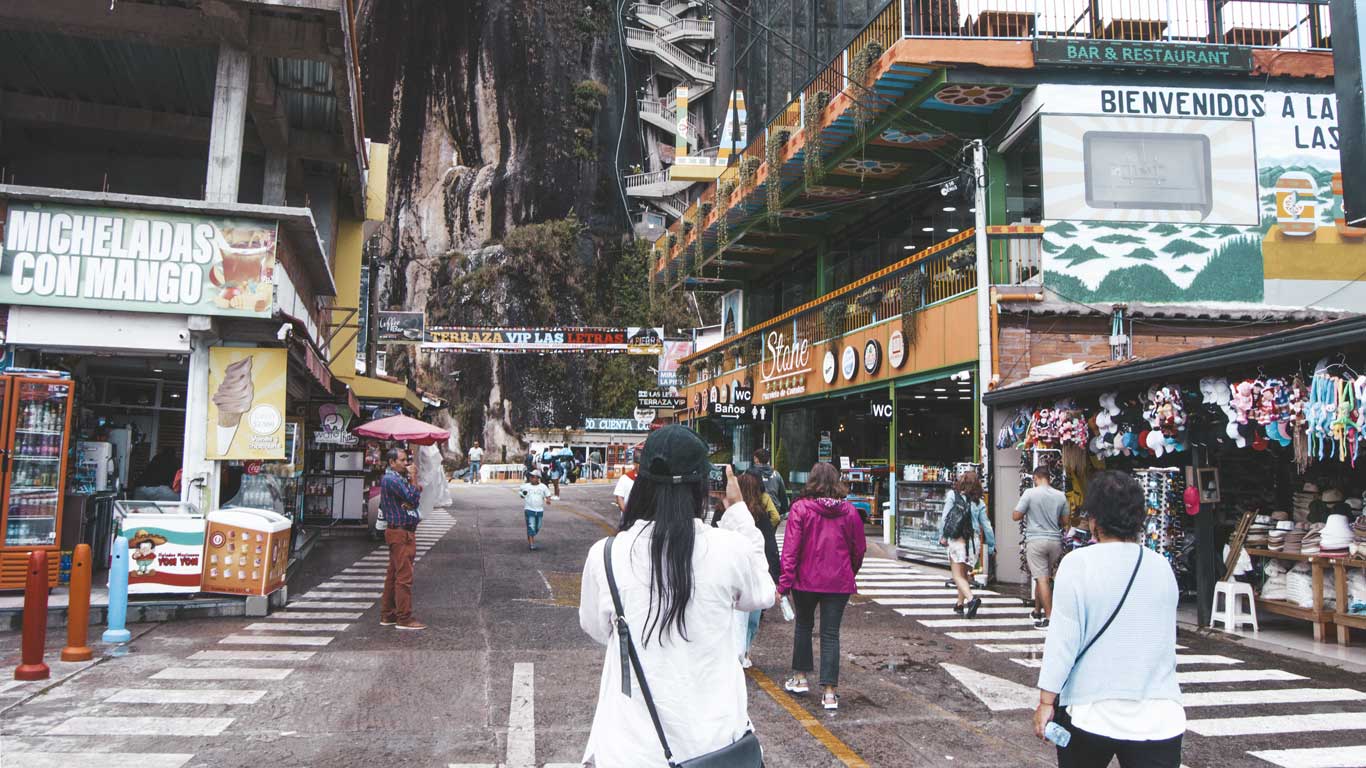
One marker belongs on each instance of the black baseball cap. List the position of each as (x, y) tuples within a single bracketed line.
[(674, 455)]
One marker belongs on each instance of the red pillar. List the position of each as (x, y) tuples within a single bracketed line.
[(31, 666), (78, 612)]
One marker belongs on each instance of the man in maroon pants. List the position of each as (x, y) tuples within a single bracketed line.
[(398, 497)]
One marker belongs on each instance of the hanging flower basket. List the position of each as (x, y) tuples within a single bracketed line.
[(911, 288), (672, 241), (682, 373), (749, 168), (714, 362), (773, 185), (859, 66), (869, 297), (813, 164), (964, 258), (723, 193)]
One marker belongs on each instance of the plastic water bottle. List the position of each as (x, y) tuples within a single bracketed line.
[(1057, 735), (788, 613)]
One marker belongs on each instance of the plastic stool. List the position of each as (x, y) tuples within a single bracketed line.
[(1232, 615)]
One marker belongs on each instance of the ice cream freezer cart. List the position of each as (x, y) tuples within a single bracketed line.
[(165, 545), (35, 430), (246, 551)]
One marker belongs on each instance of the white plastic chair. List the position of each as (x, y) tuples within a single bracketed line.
[(1232, 614)]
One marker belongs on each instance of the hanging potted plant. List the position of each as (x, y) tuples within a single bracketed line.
[(964, 258), (773, 185), (813, 164), (723, 193), (699, 254), (833, 314), (749, 168), (911, 288), (682, 374), (859, 66), (714, 362), (754, 348), (672, 241), (870, 297)]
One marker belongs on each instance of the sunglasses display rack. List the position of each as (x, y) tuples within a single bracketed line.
[(1164, 532)]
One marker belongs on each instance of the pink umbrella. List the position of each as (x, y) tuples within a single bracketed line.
[(403, 428)]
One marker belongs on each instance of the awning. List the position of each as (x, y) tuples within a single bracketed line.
[(370, 388), (1305, 340)]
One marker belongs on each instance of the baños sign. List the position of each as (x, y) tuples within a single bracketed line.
[(137, 261)]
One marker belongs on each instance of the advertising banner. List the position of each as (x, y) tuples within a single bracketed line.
[(163, 553), (401, 327), (674, 351), (592, 424), (633, 341), (246, 403), (334, 418), (659, 398), (137, 261)]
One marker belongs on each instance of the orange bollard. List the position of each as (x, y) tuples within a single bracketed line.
[(31, 666), (78, 611)]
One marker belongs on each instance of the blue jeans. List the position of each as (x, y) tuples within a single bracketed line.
[(754, 617), (831, 607), (533, 521), (474, 470)]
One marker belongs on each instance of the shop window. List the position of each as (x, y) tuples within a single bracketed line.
[(131, 392), (1024, 178)]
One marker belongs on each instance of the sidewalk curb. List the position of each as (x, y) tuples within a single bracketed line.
[(1257, 644)]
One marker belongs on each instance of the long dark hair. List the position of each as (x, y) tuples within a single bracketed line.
[(823, 483), (752, 491), (671, 510), (969, 487)]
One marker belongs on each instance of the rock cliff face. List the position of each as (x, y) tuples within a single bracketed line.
[(503, 200)]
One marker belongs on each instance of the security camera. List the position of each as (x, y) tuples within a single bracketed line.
[(285, 330)]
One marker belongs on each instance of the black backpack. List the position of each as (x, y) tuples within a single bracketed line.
[(958, 520)]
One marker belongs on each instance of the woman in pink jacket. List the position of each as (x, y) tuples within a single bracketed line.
[(823, 549)]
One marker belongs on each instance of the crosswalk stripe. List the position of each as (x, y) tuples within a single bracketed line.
[(337, 586), (943, 600), (1302, 723), (1030, 663), (222, 673), (1269, 696), (184, 696), (919, 592), (316, 593), (880, 584), (262, 626), (1024, 634), (1235, 676), (1314, 757), (352, 578), (252, 656), (946, 610), (324, 602), (1011, 647), (1022, 621), (94, 759), (309, 615), (276, 640), (141, 726), (1196, 658)]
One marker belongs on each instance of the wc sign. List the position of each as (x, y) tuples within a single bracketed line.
[(880, 409)]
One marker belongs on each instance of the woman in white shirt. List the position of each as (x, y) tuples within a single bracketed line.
[(681, 582), (1109, 663)]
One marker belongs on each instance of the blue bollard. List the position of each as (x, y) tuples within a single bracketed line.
[(118, 594)]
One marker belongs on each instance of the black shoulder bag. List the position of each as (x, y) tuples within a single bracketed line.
[(743, 753)]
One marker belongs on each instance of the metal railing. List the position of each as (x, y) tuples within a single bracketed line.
[(636, 180), (647, 39), (1016, 260), (670, 113), (688, 29), (655, 14), (1254, 23), (949, 270)]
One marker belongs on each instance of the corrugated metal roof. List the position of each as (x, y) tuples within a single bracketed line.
[(309, 91), (164, 79), (1058, 307)]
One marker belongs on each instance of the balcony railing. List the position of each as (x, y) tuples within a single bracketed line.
[(1283, 24), (947, 269), (669, 113), (1016, 254), (648, 40)]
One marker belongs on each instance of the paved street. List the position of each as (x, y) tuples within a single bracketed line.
[(504, 675)]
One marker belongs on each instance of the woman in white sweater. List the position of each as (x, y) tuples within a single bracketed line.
[(1109, 663)]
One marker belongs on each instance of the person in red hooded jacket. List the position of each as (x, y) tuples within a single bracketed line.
[(823, 549)]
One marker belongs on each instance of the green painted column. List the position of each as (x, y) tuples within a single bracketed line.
[(996, 213), (822, 261)]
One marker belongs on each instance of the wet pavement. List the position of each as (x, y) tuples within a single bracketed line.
[(504, 676)]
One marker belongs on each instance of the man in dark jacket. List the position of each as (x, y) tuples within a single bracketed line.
[(773, 482)]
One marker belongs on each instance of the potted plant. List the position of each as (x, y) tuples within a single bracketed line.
[(869, 297), (773, 185), (714, 362), (911, 288), (813, 164), (833, 314)]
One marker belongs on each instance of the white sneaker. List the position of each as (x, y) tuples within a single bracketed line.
[(745, 663), (793, 685), (556, 497)]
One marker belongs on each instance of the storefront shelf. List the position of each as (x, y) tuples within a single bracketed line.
[(1344, 621), (1318, 615)]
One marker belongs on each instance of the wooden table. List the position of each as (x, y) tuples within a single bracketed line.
[(1345, 621), (1256, 36), (1135, 29), (1002, 24), (1318, 616)]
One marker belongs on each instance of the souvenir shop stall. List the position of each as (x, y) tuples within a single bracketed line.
[(1250, 455)]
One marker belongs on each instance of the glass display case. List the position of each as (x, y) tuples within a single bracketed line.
[(920, 507), (35, 431)]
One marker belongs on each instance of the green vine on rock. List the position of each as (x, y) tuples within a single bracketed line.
[(813, 164)]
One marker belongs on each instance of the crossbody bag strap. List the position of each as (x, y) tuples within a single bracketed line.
[(1113, 614), (628, 653)]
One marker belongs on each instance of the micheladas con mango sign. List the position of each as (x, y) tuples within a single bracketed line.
[(137, 261)]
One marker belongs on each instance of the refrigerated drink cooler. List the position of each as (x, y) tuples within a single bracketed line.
[(35, 433)]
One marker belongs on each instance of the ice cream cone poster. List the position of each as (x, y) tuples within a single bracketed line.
[(247, 403), (137, 261)]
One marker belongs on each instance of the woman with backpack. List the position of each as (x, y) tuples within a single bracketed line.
[(965, 530), (662, 595), (823, 549)]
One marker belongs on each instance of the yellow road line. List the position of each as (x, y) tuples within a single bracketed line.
[(839, 749)]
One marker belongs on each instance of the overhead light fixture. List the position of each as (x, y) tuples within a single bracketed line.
[(940, 389), (175, 394), (919, 397), (949, 209), (972, 210), (927, 229), (942, 397), (908, 247), (156, 370), (951, 229)]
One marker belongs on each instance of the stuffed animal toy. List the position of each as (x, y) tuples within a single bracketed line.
[(1242, 400)]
